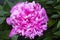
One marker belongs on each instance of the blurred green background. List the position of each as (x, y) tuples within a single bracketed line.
[(53, 11)]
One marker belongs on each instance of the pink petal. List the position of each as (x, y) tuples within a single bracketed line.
[(44, 13), (8, 20), (12, 33)]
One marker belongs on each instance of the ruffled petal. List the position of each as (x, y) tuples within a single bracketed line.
[(44, 13), (12, 33), (8, 20)]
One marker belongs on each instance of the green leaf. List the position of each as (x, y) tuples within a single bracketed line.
[(57, 7), (16, 1), (57, 33), (41, 0), (15, 37), (1, 7), (58, 12), (22, 0), (3, 13), (58, 25), (6, 6), (47, 38), (4, 34), (9, 3), (58, 0), (55, 16), (49, 2), (2, 19), (51, 22)]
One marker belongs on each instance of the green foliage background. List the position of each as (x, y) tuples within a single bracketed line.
[(53, 11)]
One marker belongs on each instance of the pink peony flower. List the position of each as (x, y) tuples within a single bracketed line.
[(27, 19)]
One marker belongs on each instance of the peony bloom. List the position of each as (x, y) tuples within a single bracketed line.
[(28, 19)]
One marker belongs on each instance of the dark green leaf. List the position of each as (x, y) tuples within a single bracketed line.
[(58, 0), (9, 3), (16, 1), (4, 34), (57, 33), (51, 22), (6, 6), (22, 0), (58, 25), (47, 38), (49, 2), (15, 37), (55, 16), (57, 7), (58, 12), (2, 19), (3, 13), (41, 0), (1, 7)]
